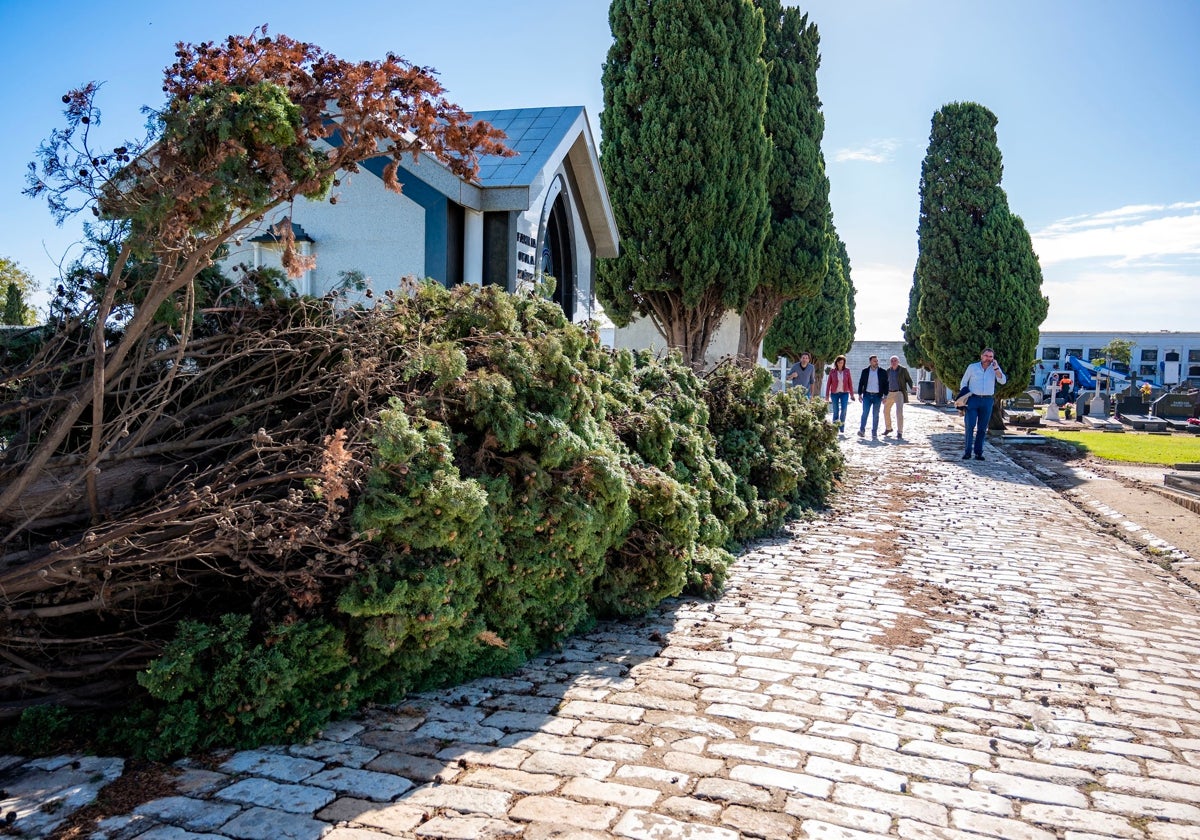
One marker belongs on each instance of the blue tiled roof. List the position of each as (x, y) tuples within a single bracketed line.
[(534, 133)]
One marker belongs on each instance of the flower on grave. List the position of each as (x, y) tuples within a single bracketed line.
[(1146, 389)]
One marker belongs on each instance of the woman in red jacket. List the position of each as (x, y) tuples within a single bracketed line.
[(839, 390)]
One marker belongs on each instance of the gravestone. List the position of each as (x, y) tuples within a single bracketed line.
[(1024, 402), (1175, 406)]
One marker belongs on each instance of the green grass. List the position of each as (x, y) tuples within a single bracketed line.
[(1134, 447)]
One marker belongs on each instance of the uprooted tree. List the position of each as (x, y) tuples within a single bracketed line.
[(105, 411)]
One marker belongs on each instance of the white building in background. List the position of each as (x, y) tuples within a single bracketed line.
[(545, 211), (1162, 358)]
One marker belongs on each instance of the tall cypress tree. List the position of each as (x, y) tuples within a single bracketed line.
[(978, 281), (795, 253), (914, 353), (685, 157), (822, 326)]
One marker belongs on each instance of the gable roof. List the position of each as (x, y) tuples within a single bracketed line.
[(543, 139)]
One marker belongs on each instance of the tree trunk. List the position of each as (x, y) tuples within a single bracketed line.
[(760, 312)]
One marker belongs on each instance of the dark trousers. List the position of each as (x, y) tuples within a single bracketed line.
[(979, 413)]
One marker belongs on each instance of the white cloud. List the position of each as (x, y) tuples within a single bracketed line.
[(876, 151), (1139, 234), (1114, 299)]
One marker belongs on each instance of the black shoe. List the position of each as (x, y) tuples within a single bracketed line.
[(966, 456), (979, 458), (887, 432)]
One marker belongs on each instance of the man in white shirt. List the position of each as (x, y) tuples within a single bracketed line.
[(872, 386), (981, 379)]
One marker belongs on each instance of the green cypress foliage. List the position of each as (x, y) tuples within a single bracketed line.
[(794, 255), (824, 325), (979, 279), (913, 351), (14, 306), (685, 159)]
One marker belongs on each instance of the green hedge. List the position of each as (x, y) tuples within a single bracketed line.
[(524, 483)]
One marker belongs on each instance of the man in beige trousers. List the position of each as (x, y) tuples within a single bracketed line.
[(899, 383)]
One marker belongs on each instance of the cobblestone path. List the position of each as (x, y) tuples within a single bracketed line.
[(950, 653)]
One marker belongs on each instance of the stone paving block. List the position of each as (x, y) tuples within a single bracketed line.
[(817, 830), (364, 784), (468, 828), (874, 737), (1138, 806), (192, 781), (992, 826), (335, 752), (1166, 831), (1173, 772), (653, 777), (1079, 819), (277, 766), (192, 814), (517, 781), (170, 832), (415, 768), (614, 793), (960, 797), (751, 822), (448, 730), (471, 754), (820, 811), (545, 742), (393, 819), (939, 770), (729, 790), (685, 762), (786, 759), (641, 825), (558, 812), (827, 768), (515, 721), (470, 800), (619, 752), (898, 805), (769, 777), (689, 807), (342, 833), (568, 765), (270, 824), (295, 799), (1153, 788), (601, 711), (804, 743)]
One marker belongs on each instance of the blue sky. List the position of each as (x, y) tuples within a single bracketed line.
[(1098, 105)]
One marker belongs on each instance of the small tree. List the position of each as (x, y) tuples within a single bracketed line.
[(795, 252), (250, 125), (977, 279), (18, 285), (685, 159)]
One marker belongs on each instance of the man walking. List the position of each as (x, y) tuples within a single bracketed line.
[(980, 380), (899, 383), (872, 385), (801, 374)]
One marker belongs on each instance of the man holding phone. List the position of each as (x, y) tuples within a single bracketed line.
[(981, 380)]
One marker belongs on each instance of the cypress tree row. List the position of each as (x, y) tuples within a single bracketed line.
[(822, 326), (977, 280), (794, 254), (684, 156)]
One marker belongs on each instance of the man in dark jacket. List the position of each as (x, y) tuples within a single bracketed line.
[(872, 387)]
